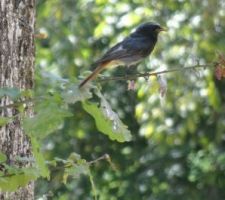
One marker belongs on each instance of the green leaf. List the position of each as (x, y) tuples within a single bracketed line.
[(75, 166), (21, 178), (99, 29), (3, 157), (47, 120), (39, 158), (27, 93), (214, 96), (74, 157), (13, 93), (107, 121), (4, 120), (75, 171), (72, 94)]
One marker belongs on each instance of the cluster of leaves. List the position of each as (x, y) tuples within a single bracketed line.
[(12, 177), (51, 110), (204, 163)]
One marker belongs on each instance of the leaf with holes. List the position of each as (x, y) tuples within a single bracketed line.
[(107, 121)]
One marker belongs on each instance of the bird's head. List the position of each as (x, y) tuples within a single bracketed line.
[(149, 29)]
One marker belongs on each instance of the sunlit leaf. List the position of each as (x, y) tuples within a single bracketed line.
[(213, 95), (99, 29), (107, 121)]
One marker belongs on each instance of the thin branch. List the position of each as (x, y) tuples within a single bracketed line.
[(147, 74), (103, 157)]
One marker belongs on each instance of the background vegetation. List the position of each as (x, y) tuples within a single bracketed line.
[(177, 147)]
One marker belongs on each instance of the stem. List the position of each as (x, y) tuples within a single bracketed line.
[(103, 157)]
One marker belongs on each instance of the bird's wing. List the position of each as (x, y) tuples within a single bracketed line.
[(124, 49)]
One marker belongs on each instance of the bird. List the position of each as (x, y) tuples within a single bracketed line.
[(131, 51)]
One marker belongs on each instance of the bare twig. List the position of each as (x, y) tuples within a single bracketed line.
[(147, 74), (103, 157)]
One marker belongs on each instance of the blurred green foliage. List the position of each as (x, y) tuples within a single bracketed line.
[(177, 148)]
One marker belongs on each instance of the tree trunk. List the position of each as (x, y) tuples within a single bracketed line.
[(17, 52)]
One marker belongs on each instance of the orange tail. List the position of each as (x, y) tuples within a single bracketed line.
[(92, 75)]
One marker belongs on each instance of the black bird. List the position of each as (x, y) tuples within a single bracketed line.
[(130, 51)]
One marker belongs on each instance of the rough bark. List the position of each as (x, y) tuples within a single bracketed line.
[(16, 70)]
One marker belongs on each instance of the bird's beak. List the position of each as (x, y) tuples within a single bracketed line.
[(162, 29)]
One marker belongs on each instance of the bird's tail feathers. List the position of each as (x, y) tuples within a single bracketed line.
[(92, 76)]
